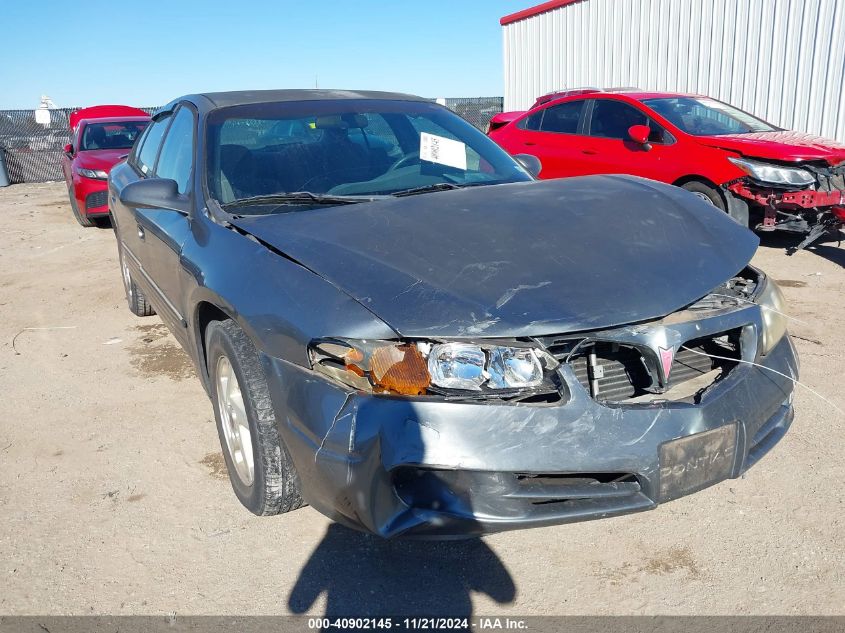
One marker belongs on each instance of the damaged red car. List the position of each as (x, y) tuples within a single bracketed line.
[(763, 176), (102, 136)]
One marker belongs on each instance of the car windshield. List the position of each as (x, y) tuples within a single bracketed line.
[(346, 148), (111, 135), (701, 116)]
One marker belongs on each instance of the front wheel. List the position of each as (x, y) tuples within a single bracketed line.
[(260, 469), (82, 218), (706, 193)]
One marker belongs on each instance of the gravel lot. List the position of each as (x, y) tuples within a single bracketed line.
[(114, 497)]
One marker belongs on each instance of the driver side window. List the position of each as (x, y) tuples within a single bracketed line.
[(148, 152), (177, 151), (611, 119)]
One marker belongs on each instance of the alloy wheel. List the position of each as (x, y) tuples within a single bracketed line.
[(127, 280), (233, 419)]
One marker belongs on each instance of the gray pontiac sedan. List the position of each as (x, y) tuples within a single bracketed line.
[(398, 325)]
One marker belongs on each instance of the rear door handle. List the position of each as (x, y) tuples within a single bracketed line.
[(529, 143), (589, 151), (141, 233)]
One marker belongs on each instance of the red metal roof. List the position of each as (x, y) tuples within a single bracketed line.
[(536, 10)]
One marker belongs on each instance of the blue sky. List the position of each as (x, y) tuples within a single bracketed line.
[(97, 51)]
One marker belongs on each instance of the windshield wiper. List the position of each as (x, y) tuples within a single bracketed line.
[(296, 197), (441, 186), (438, 186)]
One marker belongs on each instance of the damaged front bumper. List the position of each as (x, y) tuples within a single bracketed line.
[(429, 468), (812, 212)]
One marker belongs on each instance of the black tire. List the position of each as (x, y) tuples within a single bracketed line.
[(706, 193), (82, 218), (138, 303), (275, 487)]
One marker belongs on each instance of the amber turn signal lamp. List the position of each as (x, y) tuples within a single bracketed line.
[(400, 369)]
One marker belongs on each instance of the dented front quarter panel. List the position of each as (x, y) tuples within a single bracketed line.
[(278, 303)]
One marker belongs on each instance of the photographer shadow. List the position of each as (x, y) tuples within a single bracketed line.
[(366, 576)]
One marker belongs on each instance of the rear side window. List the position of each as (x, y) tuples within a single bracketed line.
[(133, 155), (533, 122), (177, 151), (563, 118), (146, 158)]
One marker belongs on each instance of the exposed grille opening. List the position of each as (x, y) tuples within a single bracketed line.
[(690, 361), (614, 372), (97, 199), (610, 371)]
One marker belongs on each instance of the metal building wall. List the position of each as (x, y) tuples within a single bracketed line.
[(783, 60)]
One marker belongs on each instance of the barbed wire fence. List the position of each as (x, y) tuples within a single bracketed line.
[(33, 150)]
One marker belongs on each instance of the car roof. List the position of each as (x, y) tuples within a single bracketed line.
[(632, 93), (212, 100), (642, 95)]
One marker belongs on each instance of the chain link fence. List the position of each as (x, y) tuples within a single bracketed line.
[(476, 110), (33, 149)]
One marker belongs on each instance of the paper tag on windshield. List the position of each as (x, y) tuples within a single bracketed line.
[(442, 150)]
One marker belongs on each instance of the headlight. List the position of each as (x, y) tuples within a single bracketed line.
[(773, 307), (514, 368), (775, 174), (421, 367), (98, 174), (457, 366)]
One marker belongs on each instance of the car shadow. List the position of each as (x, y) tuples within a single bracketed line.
[(365, 576), (103, 223), (827, 247)]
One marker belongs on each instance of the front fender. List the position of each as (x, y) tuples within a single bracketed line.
[(280, 304)]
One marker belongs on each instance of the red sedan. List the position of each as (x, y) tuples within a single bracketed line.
[(102, 136), (763, 176)]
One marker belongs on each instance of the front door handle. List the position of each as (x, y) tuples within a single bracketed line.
[(589, 151), (141, 233), (528, 143)]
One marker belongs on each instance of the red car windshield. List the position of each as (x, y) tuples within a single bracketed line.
[(700, 116), (112, 135)]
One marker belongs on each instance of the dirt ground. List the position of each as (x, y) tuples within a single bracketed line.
[(114, 497)]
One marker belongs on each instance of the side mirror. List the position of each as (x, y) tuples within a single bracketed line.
[(68, 149), (531, 163), (154, 193), (639, 134)]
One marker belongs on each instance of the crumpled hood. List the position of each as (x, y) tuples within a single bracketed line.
[(520, 259), (781, 146), (100, 158)]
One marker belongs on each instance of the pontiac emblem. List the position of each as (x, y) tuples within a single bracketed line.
[(667, 357)]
